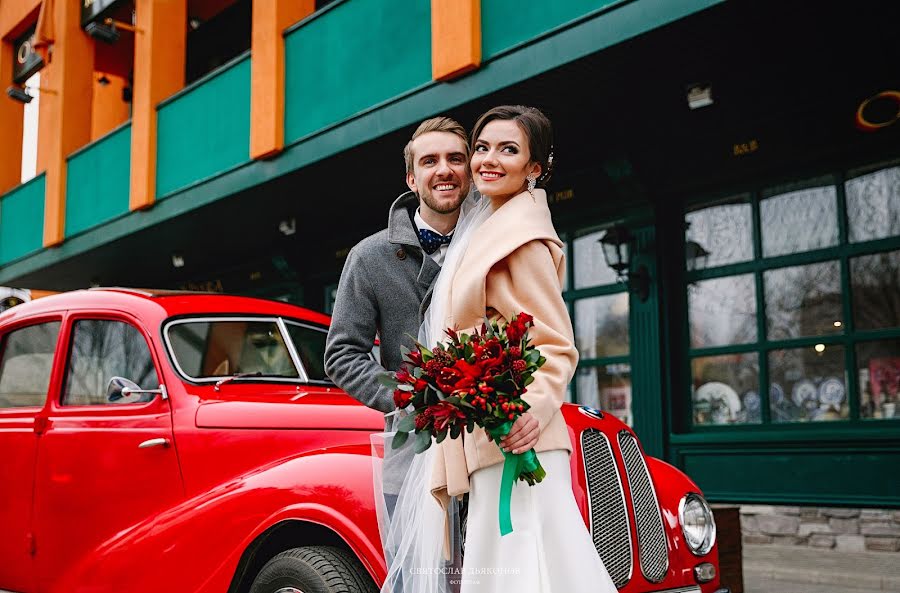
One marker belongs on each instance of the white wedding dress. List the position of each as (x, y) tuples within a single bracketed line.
[(549, 550)]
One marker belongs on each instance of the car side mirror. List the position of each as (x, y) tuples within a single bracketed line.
[(122, 390)]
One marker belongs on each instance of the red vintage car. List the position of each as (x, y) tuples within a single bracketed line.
[(161, 441)]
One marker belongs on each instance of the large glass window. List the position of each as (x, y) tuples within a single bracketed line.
[(25, 365), (808, 328), (600, 307)]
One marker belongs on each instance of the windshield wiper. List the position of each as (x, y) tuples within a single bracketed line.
[(221, 382)]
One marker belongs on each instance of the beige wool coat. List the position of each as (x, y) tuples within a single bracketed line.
[(514, 263)]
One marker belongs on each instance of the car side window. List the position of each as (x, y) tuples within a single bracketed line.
[(25, 365), (100, 350), (310, 345)]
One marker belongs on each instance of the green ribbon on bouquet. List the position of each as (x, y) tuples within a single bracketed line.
[(514, 466)]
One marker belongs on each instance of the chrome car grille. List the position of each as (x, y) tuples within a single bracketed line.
[(650, 531), (608, 515)]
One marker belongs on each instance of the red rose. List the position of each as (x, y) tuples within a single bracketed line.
[(514, 332), (420, 385), (524, 318), (403, 376), (402, 398)]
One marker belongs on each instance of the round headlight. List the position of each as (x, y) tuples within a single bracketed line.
[(697, 524)]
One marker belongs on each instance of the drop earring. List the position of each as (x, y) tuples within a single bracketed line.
[(532, 183)]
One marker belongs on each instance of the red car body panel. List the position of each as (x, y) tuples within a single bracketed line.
[(89, 511)]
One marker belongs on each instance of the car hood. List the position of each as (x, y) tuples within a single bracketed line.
[(301, 411)]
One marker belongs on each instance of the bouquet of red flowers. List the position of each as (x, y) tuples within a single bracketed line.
[(471, 380)]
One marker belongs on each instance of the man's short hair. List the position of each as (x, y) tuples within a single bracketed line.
[(435, 124)]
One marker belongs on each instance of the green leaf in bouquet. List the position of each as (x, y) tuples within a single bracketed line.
[(540, 361), (469, 352), (453, 400), (532, 356), (407, 424), (441, 436), (470, 425), (404, 387), (454, 431), (431, 396), (388, 380), (399, 440), (423, 441), (528, 381), (466, 404)]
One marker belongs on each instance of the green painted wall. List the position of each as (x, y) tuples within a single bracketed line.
[(827, 474), (205, 130), (352, 57), (505, 23), (97, 182), (22, 220)]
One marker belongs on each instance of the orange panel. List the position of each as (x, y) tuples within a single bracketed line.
[(455, 37), (109, 110), (270, 19), (11, 114), (16, 16), (65, 112), (159, 57)]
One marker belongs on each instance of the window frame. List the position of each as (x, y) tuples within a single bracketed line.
[(849, 338), (66, 355)]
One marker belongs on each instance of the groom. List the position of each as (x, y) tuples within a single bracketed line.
[(386, 283), (388, 278)]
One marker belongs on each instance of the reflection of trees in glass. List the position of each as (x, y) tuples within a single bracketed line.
[(590, 265), (873, 205), (724, 230), (102, 350), (722, 311), (799, 220), (803, 300), (875, 283), (602, 326)]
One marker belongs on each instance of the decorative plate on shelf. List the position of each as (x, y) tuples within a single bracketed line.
[(805, 394), (722, 399), (832, 392)]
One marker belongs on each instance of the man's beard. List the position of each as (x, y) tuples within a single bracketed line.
[(444, 208)]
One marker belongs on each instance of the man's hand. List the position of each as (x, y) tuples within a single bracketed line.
[(523, 435)]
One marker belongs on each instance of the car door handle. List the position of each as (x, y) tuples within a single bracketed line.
[(154, 443)]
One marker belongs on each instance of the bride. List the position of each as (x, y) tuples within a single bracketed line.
[(505, 258)]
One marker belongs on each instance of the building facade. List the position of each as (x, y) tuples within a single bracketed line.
[(748, 153)]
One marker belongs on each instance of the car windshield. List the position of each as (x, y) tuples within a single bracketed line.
[(211, 348)]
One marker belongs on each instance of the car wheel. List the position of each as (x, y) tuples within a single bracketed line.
[(313, 569)]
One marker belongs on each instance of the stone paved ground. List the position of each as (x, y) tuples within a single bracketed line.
[(797, 569)]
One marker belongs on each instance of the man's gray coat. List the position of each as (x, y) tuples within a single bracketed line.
[(384, 289)]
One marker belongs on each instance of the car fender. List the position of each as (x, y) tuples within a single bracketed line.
[(196, 546)]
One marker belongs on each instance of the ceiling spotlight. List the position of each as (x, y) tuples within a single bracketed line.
[(194, 23), (288, 227), (177, 260), (18, 93), (105, 33), (699, 95)]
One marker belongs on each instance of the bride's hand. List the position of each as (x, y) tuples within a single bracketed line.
[(523, 435)]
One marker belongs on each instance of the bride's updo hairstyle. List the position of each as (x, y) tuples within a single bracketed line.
[(537, 129)]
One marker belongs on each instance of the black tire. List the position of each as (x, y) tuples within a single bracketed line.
[(314, 569)]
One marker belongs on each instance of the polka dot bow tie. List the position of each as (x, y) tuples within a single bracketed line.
[(431, 241)]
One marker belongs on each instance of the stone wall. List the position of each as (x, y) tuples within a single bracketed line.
[(851, 530)]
